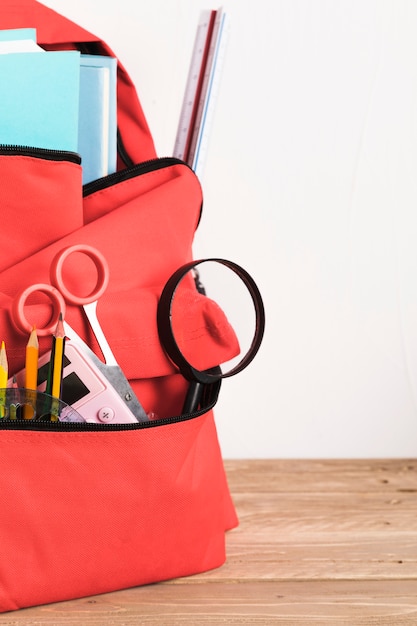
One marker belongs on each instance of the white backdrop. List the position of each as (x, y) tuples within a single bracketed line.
[(311, 185)]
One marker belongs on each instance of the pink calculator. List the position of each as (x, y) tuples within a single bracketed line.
[(84, 388)]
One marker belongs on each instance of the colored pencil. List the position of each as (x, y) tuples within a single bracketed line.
[(4, 367), (31, 366), (4, 372), (31, 371), (56, 364)]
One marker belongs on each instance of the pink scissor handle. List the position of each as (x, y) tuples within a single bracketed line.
[(102, 273), (18, 309)]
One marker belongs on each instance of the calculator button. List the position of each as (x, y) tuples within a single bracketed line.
[(105, 414)]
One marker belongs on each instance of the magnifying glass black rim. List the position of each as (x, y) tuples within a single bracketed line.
[(166, 333)]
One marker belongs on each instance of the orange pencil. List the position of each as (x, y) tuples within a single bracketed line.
[(31, 369), (31, 366)]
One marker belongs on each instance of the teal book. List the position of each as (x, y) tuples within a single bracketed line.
[(98, 107), (94, 122), (13, 34), (19, 40), (39, 99)]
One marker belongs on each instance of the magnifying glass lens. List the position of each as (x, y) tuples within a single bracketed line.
[(212, 317)]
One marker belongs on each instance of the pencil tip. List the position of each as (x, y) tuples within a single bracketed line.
[(60, 331)]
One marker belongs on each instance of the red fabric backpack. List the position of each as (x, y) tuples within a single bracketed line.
[(91, 508)]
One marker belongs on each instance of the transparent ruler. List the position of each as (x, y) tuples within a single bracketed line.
[(201, 89)]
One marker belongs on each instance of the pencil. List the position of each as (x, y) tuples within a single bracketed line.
[(56, 363), (31, 371), (4, 372), (4, 367), (14, 407), (31, 366)]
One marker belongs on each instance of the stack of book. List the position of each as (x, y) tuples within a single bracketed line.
[(62, 101)]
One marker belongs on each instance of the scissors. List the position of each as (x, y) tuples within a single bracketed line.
[(59, 294), (205, 384)]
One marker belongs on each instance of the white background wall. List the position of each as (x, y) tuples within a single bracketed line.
[(311, 185)]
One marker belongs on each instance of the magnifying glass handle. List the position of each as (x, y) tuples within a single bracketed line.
[(193, 397)]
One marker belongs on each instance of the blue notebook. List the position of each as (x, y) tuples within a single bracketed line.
[(40, 99), (97, 139)]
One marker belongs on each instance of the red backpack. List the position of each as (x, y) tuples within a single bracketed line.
[(89, 508)]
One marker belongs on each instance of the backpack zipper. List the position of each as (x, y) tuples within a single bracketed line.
[(144, 167), (8, 424), (210, 398), (40, 153)]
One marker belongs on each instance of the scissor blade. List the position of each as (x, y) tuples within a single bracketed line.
[(113, 373)]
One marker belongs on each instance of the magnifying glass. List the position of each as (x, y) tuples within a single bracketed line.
[(196, 334)]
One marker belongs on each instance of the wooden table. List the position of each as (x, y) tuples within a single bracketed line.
[(319, 542)]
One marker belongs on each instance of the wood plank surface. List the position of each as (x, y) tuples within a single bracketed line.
[(319, 542)]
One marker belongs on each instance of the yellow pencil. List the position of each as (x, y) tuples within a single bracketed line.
[(56, 364), (58, 359), (31, 371), (4, 373), (4, 367)]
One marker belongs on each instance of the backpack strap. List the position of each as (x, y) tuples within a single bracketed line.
[(56, 32)]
